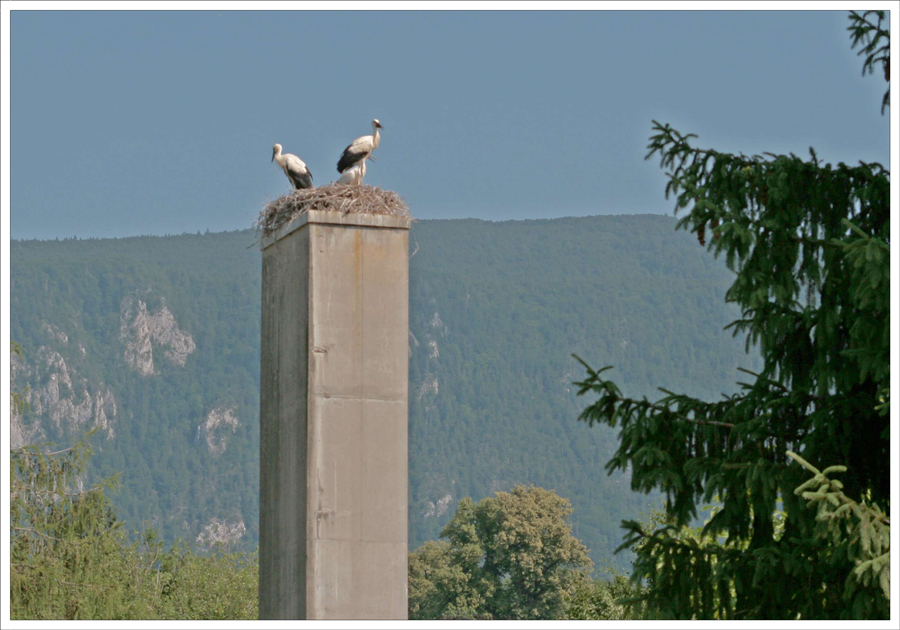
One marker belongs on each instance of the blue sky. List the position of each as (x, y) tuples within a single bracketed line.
[(162, 122)]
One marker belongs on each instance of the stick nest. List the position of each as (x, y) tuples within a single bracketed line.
[(341, 198)]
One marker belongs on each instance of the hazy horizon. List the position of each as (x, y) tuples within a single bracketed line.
[(416, 220)]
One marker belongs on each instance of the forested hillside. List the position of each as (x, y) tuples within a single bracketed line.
[(155, 341)]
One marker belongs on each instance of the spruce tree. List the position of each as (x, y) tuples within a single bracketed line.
[(809, 244)]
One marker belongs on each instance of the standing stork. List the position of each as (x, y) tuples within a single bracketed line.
[(294, 168), (356, 154)]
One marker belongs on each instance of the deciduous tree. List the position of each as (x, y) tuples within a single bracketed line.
[(71, 559), (510, 556)]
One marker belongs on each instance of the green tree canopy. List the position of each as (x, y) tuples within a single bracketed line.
[(64, 539), (809, 244), (510, 556), (70, 559), (605, 599)]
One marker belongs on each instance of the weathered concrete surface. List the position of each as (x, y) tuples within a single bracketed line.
[(283, 448), (333, 414)]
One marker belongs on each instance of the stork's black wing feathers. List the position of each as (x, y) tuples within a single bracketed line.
[(348, 159), (301, 180)]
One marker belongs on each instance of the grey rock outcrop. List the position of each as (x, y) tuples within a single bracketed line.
[(214, 430), (440, 508), (221, 531), (141, 330), (59, 399)]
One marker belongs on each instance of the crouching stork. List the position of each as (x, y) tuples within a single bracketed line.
[(294, 168)]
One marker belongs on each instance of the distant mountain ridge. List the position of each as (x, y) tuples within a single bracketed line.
[(155, 341)]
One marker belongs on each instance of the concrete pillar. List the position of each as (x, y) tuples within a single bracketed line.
[(333, 418)]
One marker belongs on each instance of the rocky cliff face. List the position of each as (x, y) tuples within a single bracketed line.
[(438, 509), (429, 388), (20, 433), (59, 398), (221, 531), (141, 330), (215, 429), (438, 496), (63, 404), (58, 379)]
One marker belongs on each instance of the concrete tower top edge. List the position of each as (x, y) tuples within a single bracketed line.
[(334, 217)]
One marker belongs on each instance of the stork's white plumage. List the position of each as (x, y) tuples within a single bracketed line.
[(354, 175), (359, 150), (294, 168)]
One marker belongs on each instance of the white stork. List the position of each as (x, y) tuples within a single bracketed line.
[(358, 152), (294, 168), (354, 175)]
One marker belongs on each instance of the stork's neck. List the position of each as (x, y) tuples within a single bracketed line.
[(376, 137), (278, 157)]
